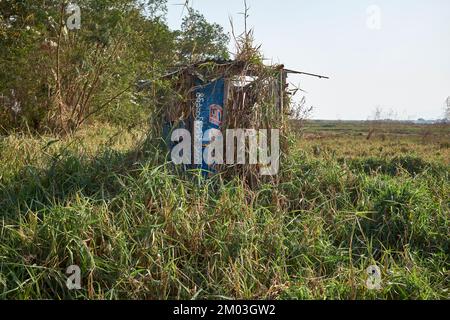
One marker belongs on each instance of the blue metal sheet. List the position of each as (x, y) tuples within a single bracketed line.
[(210, 112)]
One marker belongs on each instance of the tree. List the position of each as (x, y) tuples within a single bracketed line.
[(199, 39), (60, 77), (53, 77), (447, 110)]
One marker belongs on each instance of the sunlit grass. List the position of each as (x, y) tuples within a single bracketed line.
[(138, 229)]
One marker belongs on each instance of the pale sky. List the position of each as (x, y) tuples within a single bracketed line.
[(399, 61)]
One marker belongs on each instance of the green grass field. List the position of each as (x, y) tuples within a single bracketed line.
[(350, 195)]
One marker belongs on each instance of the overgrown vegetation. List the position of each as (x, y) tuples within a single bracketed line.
[(84, 180), (139, 230), (53, 78)]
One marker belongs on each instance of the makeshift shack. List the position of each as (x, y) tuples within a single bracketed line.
[(228, 94)]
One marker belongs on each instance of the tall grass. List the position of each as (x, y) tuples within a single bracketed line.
[(140, 230)]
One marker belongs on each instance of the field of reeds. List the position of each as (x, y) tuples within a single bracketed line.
[(350, 195)]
